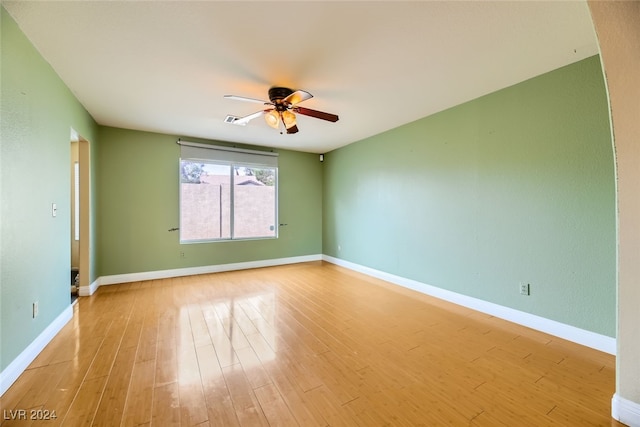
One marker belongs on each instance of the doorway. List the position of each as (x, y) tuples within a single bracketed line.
[(80, 215)]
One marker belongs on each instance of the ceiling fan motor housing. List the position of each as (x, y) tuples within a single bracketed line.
[(277, 94)]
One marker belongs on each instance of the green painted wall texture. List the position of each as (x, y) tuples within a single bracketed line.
[(138, 204), (38, 112), (516, 186)]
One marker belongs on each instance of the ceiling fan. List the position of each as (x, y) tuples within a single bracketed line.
[(283, 104)]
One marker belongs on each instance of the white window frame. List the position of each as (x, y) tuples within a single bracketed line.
[(232, 157)]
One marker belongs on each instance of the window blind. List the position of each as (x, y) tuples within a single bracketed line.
[(231, 155)]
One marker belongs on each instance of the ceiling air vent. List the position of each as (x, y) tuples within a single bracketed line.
[(231, 119)]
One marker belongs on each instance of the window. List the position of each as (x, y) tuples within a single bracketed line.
[(227, 193)]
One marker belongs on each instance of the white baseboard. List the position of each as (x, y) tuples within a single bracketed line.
[(561, 330), (87, 291), (191, 271), (20, 363), (625, 411), (568, 332)]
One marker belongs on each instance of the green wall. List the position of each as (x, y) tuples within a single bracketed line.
[(516, 186), (38, 112), (138, 204)]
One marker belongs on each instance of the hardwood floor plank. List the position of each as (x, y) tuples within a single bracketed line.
[(13, 398), (220, 407), (300, 369), (226, 314), (147, 346), (334, 414), (199, 328), (253, 368), (192, 402), (166, 405), (112, 402), (72, 377), (247, 407), (303, 411), (166, 349), (107, 352), (221, 341), (83, 407), (274, 407), (138, 407), (46, 378)]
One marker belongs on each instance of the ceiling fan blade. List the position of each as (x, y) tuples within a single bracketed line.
[(244, 98), (297, 96), (246, 119), (317, 114), (293, 129)]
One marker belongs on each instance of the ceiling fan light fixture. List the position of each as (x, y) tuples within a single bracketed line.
[(282, 110), (272, 118), (289, 119)]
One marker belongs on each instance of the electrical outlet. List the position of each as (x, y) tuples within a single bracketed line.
[(35, 309), (524, 289), (182, 255)]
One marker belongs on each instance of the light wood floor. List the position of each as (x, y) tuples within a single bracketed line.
[(310, 345)]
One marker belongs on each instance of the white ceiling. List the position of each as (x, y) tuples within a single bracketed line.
[(165, 66)]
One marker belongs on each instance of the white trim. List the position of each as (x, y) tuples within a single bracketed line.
[(561, 330), (87, 291), (191, 271), (20, 363), (625, 411)]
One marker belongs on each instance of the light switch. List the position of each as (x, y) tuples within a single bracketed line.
[(54, 210)]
